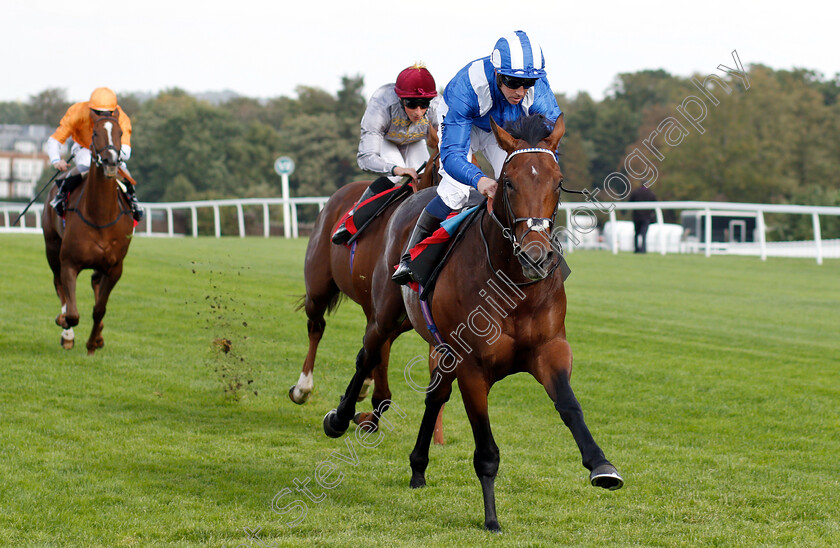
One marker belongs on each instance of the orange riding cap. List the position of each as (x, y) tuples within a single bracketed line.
[(77, 124)]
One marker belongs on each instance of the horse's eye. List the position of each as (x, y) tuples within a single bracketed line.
[(508, 184)]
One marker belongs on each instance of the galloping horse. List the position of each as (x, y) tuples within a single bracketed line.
[(95, 234), (332, 270), (501, 304)]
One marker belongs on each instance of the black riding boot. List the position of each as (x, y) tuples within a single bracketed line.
[(382, 184), (66, 185), (426, 224), (130, 193)]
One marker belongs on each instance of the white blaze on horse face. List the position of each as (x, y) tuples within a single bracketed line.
[(108, 129), (534, 171)]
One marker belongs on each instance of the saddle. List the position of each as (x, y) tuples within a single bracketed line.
[(361, 215), (430, 254)]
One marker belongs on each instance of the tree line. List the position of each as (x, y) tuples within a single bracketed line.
[(776, 141)]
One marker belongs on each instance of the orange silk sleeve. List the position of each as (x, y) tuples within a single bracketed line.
[(125, 126)]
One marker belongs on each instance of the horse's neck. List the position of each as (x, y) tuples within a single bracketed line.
[(100, 193)]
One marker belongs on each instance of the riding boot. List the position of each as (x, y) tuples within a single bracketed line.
[(342, 234), (66, 185), (426, 224), (136, 211)]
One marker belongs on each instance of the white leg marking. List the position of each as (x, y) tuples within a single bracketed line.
[(68, 334), (303, 388), (365, 388)]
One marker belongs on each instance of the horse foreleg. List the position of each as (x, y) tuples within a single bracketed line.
[(53, 247), (69, 312), (102, 285), (474, 389), (437, 394), (554, 366)]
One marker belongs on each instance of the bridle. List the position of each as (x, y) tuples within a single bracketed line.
[(97, 153), (534, 224)]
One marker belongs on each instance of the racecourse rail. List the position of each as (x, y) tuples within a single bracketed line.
[(816, 248)]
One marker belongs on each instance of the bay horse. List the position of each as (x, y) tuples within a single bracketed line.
[(95, 234), (333, 271), (501, 304)]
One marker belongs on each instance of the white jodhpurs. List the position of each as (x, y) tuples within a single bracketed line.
[(411, 155)]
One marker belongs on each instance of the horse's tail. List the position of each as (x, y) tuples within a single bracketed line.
[(335, 300)]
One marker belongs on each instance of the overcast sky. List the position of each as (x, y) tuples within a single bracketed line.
[(268, 48)]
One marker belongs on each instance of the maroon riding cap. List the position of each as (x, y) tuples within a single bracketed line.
[(415, 81)]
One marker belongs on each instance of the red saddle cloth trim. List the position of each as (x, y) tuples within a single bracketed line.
[(347, 219), (439, 236)]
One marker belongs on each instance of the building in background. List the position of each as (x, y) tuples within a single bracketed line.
[(23, 158)]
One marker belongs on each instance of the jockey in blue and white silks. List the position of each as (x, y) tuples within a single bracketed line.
[(508, 84)]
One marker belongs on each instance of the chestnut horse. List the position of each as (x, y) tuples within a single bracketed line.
[(95, 234), (500, 302), (331, 271)]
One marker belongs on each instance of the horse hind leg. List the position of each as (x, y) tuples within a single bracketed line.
[(316, 305), (381, 391), (338, 420), (437, 394)]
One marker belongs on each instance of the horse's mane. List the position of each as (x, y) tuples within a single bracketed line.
[(531, 129)]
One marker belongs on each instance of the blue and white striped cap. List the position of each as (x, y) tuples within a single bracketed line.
[(517, 55)]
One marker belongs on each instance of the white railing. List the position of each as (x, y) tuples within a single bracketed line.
[(573, 210), (709, 208)]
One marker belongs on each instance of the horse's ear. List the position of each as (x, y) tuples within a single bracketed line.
[(505, 140), (556, 133), (432, 139)]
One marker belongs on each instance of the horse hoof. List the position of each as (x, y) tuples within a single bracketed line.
[(297, 396), (67, 344), (606, 476), (329, 430), (417, 481), (492, 526), (365, 421)]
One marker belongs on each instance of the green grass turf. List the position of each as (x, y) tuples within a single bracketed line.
[(712, 384)]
